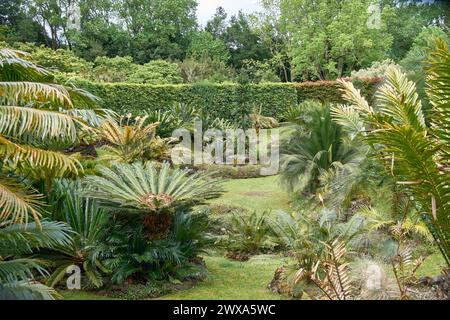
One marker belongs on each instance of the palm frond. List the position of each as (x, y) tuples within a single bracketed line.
[(27, 290), (17, 202), (23, 92), (348, 118), (128, 142), (38, 159), (353, 97), (398, 99), (438, 91), (14, 67), (417, 159), (18, 269), (44, 124), (18, 239), (142, 187)]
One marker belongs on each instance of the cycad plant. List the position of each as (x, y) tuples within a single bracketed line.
[(417, 156), (314, 148), (151, 192), (89, 225), (318, 245), (131, 256), (248, 233), (128, 142)]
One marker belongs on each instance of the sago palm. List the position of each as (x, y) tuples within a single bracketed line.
[(312, 149), (89, 224), (416, 156), (154, 193), (128, 142)]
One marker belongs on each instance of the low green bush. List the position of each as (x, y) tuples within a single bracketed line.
[(232, 172)]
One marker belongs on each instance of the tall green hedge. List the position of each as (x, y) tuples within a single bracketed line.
[(229, 101)]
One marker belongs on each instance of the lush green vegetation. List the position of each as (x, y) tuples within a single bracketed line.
[(98, 108)]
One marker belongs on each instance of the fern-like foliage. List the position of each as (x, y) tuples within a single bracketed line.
[(143, 188), (314, 148), (89, 224), (17, 274), (128, 142), (438, 90), (330, 273), (30, 102), (416, 155)]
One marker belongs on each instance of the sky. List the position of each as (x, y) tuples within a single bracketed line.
[(207, 8)]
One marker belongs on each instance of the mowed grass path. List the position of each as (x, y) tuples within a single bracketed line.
[(257, 194), (233, 280)]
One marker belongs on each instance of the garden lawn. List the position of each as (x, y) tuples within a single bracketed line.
[(257, 194), (233, 280)]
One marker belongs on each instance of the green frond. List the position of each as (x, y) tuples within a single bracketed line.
[(128, 142), (144, 188), (416, 156), (438, 91), (81, 98), (20, 269), (348, 118), (375, 219), (18, 239), (415, 226), (93, 117), (17, 202), (27, 290), (14, 67)]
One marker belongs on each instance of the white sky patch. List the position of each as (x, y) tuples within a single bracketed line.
[(207, 8)]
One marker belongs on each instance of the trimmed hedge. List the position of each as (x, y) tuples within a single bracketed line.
[(229, 101)]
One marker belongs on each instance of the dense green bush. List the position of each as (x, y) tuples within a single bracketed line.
[(229, 101)]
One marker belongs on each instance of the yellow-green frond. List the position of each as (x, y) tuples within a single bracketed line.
[(438, 82), (14, 67), (348, 118), (43, 124), (354, 97), (22, 92), (17, 203), (37, 158), (398, 98)]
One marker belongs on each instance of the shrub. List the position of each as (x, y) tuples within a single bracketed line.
[(156, 72), (396, 126), (230, 101), (89, 225), (127, 142), (132, 256), (313, 147), (248, 234), (231, 172)]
